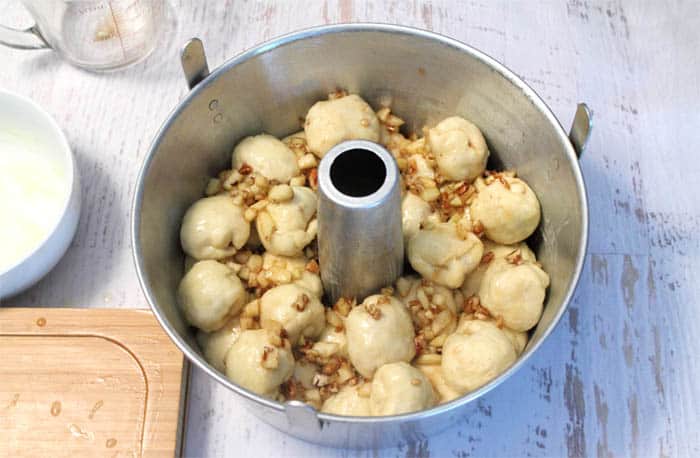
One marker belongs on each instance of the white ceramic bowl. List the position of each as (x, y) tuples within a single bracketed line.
[(20, 114)]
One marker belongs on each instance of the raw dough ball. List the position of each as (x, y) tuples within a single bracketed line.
[(514, 292), (509, 213), (432, 295), (285, 228), (348, 401), (441, 255), (468, 325), (379, 331), (474, 355), (400, 388), (210, 293), (459, 148), (517, 338), (298, 310), (414, 212), (336, 338), (255, 363), (304, 372), (473, 281), (311, 282), (280, 270), (216, 344), (268, 156), (213, 228), (432, 307), (434, 373), (333, 121)]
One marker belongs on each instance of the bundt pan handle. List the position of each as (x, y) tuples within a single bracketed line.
[(581, 128), (194, 62)]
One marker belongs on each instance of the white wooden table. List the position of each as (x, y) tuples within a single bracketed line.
[(618, 377)]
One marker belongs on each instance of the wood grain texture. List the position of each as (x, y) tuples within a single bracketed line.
[(618, 376), (78, 382)]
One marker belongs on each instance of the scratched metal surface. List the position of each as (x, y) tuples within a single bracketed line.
[(618, 376)]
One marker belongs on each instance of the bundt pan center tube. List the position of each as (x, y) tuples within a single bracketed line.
[(360, 239), (424, 77)]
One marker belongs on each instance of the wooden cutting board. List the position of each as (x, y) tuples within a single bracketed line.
[(88, 382)]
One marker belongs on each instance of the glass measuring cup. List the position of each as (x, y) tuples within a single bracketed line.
[(95, 35)]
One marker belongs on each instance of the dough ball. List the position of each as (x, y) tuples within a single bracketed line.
[(285, 228), (471, 284), (432, 307), (431, 295), (400, 388), (330, 122), (338, 339), (515, 292), (267, 156), (310, 282), (349, 401), (459, 148), (280, 270), (414, 212), (298, 310), (433, 372), (509, 212), (474, 355), (468, 325), (210, 293), (304, 372), (517, 338), (216, 344), (257, 364), (379, 331), (213, 228), (439, 254)]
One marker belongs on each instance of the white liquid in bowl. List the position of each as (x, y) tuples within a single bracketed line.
[(33, 190)]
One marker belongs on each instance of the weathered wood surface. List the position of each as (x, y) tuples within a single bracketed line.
[(618, 377)]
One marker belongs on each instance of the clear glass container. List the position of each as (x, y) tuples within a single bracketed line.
[(95, 35)]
